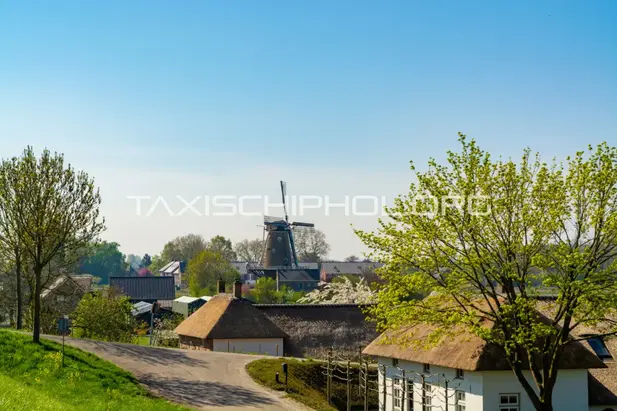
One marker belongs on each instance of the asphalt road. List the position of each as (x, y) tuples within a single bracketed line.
[(202, 380)]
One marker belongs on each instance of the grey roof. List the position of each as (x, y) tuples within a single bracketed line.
[(344, 267), (145, 288), (296, 275), (141, 308), (173, 267)]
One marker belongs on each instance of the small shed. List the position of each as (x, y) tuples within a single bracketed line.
[(186, 305)]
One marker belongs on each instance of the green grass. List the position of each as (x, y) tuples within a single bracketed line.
[(32, 378), (142, 340), (307, 384)]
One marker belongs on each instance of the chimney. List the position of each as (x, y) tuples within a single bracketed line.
[(220, 286), (238, 289)]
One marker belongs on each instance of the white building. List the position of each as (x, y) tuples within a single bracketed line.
[(466, 374)]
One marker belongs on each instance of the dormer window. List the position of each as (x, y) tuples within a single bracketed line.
[(599, 347)]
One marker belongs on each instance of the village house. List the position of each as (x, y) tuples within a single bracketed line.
[(467, 374), (230, 323), (177, 270)]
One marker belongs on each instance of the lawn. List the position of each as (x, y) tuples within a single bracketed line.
[(32, 378), (307, 384)]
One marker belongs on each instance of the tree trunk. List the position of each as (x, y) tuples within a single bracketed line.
[(36, 330), (20, 313)]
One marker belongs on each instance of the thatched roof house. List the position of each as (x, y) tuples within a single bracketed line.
[(588, 365), (228, 322)]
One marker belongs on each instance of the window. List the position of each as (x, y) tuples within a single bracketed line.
[(427, 400), (459, 397), (598, 346), (460, 374), (397, 394), (427, 368), (394, 362), (509, 402), (410, 396)]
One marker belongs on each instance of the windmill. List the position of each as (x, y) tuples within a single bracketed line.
[(280, 260), (280, 247)]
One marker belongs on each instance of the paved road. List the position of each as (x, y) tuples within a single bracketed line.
[(202, 380)]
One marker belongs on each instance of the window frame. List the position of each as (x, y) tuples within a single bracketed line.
[(510, 406), (460, 374)]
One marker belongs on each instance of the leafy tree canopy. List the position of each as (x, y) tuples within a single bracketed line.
[(206, 269), (102, 260), (223, 246), (183, 248), (479, 233)]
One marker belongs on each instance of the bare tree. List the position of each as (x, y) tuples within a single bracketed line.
[(311, 244), (250, 250)]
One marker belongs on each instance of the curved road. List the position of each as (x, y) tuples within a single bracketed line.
[(202, 380)]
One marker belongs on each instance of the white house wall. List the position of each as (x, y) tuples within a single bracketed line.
[(481, 389), (471, 384), (268, 346), (570, 390)]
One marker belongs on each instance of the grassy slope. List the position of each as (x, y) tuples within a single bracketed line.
[(299, 387), (36, 380), (307, 383)]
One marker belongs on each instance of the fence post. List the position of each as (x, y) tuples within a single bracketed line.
[(329, 377), (348, 387), (366, 385)]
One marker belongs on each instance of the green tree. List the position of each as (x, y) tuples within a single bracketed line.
[(206, 269), (146, 261), (250, 250), (352, 259), (479, 232), (102, 260), (56, 209), (183, 248), (104, 317), (264, 291), (223, 246), (156, 264)]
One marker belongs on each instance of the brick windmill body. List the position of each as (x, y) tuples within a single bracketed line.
[(280, 260)]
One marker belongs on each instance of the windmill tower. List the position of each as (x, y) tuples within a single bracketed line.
[(280, 260), (280, 250)]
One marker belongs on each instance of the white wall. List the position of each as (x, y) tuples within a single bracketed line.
[(471, 384), (269, 346), (570, 390), (481, 389)]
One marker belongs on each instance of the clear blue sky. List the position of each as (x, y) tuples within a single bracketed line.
[(136, 91)]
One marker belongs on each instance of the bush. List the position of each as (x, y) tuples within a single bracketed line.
[(106, 318)]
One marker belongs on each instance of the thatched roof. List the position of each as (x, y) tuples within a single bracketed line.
[(227, 317), (467, 351), (313, 329), (603, 382)]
